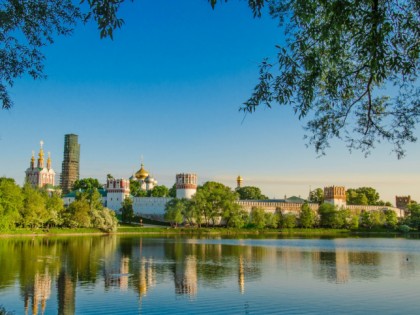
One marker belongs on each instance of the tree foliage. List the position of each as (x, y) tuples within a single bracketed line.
[(135, 189), (11, 203), (213, 200), (413, 219), (306, 216), (288, 221), (158, 191), (27, 26), (174, 210), (316, 196), (127, 212), (250, 193), (362, 196), (339, 59), (335, 68), (327, 214), (257, 217), (86, 184)]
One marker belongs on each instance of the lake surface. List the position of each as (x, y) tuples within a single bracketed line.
[(174, 275)]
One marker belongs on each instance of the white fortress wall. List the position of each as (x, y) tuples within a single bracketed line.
[(150, 207)]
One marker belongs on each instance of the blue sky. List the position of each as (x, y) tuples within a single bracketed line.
[(168, 88)]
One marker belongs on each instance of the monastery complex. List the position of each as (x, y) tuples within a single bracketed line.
[(116, 190)]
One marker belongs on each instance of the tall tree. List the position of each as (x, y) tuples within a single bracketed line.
[(87, 184), (55, 208), (127, 212), (250, 193), (257, 217), (362, 196), (174, 211), (414, 215), (34, 212), (172, 191), (212, 199), (135, 189), (159, 191), (11, 203), (327, 215), (288, 221), (316, 196), (338, 58), (306, 216)]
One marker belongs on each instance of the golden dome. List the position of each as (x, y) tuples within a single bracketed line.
[(142, 173), (239, 178)]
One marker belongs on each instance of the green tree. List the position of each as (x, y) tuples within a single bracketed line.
[(250, 193), (306, 217), (159, 191), (327, 215), (127, 212), (55, 208), (362, 196), (343, 219), (104, 219), (234, 215), (365, 220), (135, 189), (414, 215), (77, 214), (338, 58), (391, 219), (174, 211), (172, 191), (257, 217), (86, 184), (212, 199), (34, 212), (11, 203), (272, 220), (317, 196), (288, 221)]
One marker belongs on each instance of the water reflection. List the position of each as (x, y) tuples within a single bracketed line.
[(51, 270)]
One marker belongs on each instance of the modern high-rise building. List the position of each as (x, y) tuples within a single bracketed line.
[(71, 162)]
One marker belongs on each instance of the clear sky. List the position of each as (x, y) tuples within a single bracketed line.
[(168, 88)]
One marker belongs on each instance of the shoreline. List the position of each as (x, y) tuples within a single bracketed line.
[(208, 231)]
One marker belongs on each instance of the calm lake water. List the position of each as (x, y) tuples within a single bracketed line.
[(144, 275)]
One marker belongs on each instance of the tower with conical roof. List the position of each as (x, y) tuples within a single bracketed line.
[(71, 162), (39, 175)]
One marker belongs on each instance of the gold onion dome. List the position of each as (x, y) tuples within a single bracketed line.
[(142, 173), (239, 178)]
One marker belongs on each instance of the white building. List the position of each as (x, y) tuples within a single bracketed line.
[(116, 191)]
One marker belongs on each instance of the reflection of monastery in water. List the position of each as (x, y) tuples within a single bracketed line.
[(39, 293), (184, 267)]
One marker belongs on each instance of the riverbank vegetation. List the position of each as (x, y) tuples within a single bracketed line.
[(213, 209), (37, 209)]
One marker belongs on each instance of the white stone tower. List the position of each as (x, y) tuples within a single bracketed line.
[(335, 195), (186, 185), (117, 191)]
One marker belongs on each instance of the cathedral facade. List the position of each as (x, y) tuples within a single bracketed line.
[(39, 175)]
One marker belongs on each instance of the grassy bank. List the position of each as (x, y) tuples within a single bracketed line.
[(231, 232)]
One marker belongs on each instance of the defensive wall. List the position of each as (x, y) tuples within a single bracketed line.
[(154, 207)]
